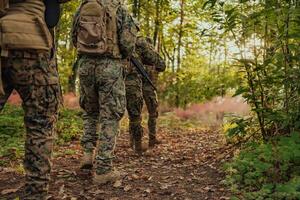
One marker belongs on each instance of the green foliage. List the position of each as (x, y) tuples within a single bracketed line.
[(267, 35), (267, 170), (70, 125), (65, 51), (196, 83), (12, 131)]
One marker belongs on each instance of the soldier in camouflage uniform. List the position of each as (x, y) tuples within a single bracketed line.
[(101, 75), (151, 100), (134, 93), (26, 67)]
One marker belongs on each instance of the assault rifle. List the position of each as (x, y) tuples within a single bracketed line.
[(140, 68)]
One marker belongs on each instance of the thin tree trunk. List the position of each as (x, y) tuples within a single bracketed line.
[(147, 18), (135, 8), (156, 21), (180, 34)]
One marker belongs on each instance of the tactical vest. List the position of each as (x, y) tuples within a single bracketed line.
[(23, 26), (97, 28)]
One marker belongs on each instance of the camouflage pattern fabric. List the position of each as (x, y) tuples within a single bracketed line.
[(135, 85), (151, 100), (102, 97), (134, 105), (31, 75)]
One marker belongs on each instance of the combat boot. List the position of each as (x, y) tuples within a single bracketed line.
[(138, 147), (87, 160), (110, 177), (131, 141), (153, 141)]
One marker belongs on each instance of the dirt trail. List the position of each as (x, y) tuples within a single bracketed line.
[(186, 166)]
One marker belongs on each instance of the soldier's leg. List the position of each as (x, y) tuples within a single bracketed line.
[(89, 103), (37, 83), (134, 97), (151, 101), (112, 104)]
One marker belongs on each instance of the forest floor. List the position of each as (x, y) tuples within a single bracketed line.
[(187, 165)]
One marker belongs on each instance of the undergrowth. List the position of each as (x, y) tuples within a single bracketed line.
[(12, 131), (269, 170)]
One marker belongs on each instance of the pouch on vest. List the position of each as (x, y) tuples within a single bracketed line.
[(94, 30), (21, 31)]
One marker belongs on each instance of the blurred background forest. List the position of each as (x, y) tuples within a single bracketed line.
[(249, 49)]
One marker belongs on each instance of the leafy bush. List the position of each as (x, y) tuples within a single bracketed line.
[(268, 170)]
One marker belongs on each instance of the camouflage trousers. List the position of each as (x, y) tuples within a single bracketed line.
[(36, 80), (134, 106), (102, 97), (150, 97)]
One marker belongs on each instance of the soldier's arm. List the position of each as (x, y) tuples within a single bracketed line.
[(127, 32), (149, 56)]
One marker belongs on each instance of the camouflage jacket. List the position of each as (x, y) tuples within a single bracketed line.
[(127, 30), (151, 59), (148, 55)]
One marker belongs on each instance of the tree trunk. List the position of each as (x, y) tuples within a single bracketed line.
[(156, 21), (135, 8), (180, 34)]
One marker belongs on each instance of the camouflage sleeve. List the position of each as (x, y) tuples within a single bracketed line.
[(127, 32), (149, 56), (74, 28)]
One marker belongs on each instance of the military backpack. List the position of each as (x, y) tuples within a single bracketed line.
[(97, 28)]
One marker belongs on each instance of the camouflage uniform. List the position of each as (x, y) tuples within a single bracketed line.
[(32, 72), (151, 100), (102, 94), (29, 72), (134, 86)]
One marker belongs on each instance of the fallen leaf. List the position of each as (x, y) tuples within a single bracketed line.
[(127, 188), (8, 191), (135, 176), (118, 184), (99, 192), (148, 190)]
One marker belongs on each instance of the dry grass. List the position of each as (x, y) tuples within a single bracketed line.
[(213, 112)]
